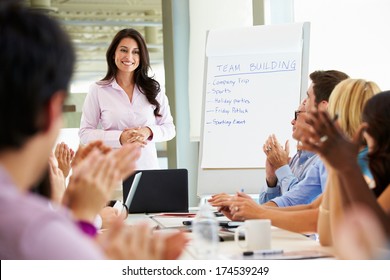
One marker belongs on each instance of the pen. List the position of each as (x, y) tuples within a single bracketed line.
[(263, 252)]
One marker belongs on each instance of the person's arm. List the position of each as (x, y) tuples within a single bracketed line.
[(57, 181), (330, 205), (94, 177), (138, 242), (356, 189), (297, 221), (90, 186), (220, 198), (306, 190), (164, 128), (340, 153), (90, 119), (269, 193), (313, 205), (384, 200), (286, 179), (302, 221), (64, 156), (360, 236), (109, 215), (62, 239), (272, 188), (332, 210), (279, 164)]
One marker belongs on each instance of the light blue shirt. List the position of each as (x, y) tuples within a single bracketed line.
[(314, 183), (306, 190), (363, 163), (289, 175)]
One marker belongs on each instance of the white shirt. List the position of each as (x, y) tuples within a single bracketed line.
[(107, 111)]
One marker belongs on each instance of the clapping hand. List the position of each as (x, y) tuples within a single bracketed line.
[(277, 155), (83, 151), (57, 180), (64, 156), (140, 243), (276, 158), (96, 171), (90, 185)]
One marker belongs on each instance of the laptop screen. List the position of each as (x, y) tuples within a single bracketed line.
[(133, 189), (162, 190)]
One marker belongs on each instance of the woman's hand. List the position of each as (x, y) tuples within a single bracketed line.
[(95, 177), (83, 151), (90, 185), (224, 202), (140, 243), (57, 180), (110, 214), (138, 135), (64, 156), (219, 199), (244, 208)]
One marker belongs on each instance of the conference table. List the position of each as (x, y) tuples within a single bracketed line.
[(294, 245)]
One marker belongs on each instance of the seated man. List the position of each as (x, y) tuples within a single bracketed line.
[(313, 184), (282, 175)]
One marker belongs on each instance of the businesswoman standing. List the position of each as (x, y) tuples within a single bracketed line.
[(127, 105)]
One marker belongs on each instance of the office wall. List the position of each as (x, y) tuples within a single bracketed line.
[(181, 152), (349, 35), (206, 15)]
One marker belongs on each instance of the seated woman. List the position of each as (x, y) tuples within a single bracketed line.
[(340, 153), (53, 184)]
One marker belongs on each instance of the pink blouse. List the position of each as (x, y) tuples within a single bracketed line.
[(107, 111)]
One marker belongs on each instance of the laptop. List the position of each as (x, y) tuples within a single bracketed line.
[(133, 189), (156, 191)]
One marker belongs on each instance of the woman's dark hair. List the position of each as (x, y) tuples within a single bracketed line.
[(36, 61), (147, 85), (376, 114)]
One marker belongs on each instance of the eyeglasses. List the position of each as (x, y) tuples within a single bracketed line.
[(296, 114)]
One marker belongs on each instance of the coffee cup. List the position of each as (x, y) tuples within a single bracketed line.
[(257, 235)]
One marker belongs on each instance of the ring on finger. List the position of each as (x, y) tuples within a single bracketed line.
[(323, 138)]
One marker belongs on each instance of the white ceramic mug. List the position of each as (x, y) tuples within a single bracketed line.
[(257, 235)]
